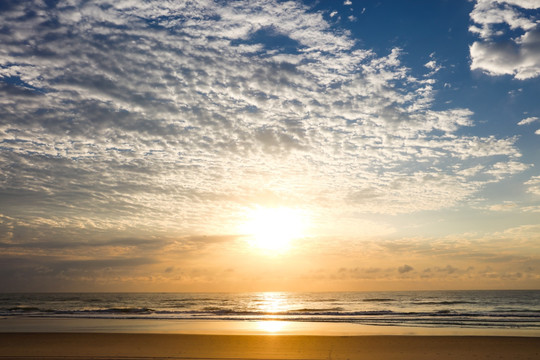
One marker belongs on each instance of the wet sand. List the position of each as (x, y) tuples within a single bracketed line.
[(181, 346)]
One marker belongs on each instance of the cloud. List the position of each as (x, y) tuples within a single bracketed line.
[(529, 120), (501, 169), (507, 206), (433, 65), (533, 185), (497, 53), (533, 209), (488, 13), (154, 117), (468, 258), (405, 269), (42, 273), (448, 269), (508, 58), (345, 273)]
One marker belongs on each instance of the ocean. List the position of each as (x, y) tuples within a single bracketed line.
[(518, 309)]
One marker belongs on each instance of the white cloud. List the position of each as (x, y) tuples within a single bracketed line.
[(532, 209), (168, 114), (347, 2), (519, 58), (488, 13), (499, 54), (526, 4), (529, 120), (506, 206), (433, 65), (502, 169), (533, 185)]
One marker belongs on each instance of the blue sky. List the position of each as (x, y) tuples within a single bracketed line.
[(142, 143)]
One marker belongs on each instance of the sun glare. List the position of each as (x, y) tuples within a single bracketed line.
[(273, 229), (271, 326)]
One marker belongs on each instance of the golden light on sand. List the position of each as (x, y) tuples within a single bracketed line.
[(271, 326), (273, 229)]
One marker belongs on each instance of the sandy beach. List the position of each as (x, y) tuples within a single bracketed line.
[(180, 346)]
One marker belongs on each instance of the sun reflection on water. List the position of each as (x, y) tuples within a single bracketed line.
[(272, 303)]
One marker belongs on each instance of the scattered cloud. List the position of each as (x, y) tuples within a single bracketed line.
[(532, 209), (497, 256), (507, 206), (433, 65), (533, 185), (529, 120), (405, 269), (130, 125), (441, 277), (131, 128), (498, 52), (448, 269)]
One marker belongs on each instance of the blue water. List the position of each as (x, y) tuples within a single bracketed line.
[(470, 309)]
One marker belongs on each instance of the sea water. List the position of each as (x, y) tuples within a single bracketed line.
[(519, 309)]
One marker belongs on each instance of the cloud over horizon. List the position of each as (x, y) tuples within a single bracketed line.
[(131, 129)]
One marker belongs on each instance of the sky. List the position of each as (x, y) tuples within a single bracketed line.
[(269, 145)]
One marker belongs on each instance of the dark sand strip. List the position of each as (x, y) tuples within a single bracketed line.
[(175, 346)]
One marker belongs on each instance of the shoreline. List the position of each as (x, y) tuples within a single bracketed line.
[(230, 327), (85, 346)]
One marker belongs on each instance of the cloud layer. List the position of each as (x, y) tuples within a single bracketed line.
[(509, 34), (127, 108), (162, 121)]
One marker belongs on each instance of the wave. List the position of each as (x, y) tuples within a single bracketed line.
[(308, 310), (129, 310), (455, 302), (37, 310), (383, 318), (28, 309), (507, 309)]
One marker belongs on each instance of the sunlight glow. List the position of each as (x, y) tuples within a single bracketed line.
[(271, 326), (273, 229), (272, 302)]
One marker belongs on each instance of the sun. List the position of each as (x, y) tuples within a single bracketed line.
[(273, 229)]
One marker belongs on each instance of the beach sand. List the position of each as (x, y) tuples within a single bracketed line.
[(181, 346)]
